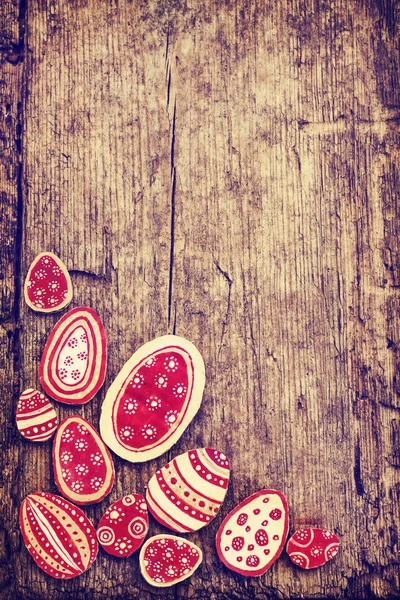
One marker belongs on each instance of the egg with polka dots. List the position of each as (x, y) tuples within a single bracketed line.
[(36, 417), (252, 536), (58, 535), (186, 494), (124, 526)]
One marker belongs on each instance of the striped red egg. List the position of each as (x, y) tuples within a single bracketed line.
[(48, 286), (124, 526), (252, 535), (73, 364), (83, 467), (153, 399), (186, 494), (312, 547), (166, 560), (36, 417), (58, 535)]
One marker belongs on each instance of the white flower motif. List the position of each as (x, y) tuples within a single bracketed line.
[(150, 362), (327, 534), (45, 261), (123, 545), (96, 482), (82, 469), (127, 433), (161, 380), (179, 390), (171, 364), (149, 432), (56, 271), (316, 551), (153, 403), (81, 445), (170, 417), (82, 429), (67, 436), (137, 381), (115, 515), (66, 474), (39, 293), (54, 286), (130, 406), (41, 274), (151, 551), (53, 300), (66, 457), (77, 486), (96, 459)]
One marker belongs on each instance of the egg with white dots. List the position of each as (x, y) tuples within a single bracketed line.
[(186, 494), (36, 417)]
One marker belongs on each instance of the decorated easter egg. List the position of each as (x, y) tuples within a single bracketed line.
[(124, 526), (167, 559), (36, 418), (48, 286), (186, 494), (73, 365), (312, 547), (153, 399), (252, 535), (58, 535), (83, 467)]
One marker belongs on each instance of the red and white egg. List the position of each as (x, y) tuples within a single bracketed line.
[(36, 417), (153, 399), (166, 560), (74, 360), (312, 547), (83, 467), (124, 526), (48, 286), (252, 535), (58, 535), (186, 494)]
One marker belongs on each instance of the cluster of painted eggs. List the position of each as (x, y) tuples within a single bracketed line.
[(146, 410)]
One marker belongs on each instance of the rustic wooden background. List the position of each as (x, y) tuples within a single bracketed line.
[(228, 171)]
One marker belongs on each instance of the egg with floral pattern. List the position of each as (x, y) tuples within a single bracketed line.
[(83, 467), (48, 286), (153, 399), (312, 547), (124, 526), (166, 560)]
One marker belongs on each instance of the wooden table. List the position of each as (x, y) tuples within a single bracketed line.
[(230, 172)]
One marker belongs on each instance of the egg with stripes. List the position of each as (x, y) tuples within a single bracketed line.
[(186, 494), (36, 417), (58, 535)]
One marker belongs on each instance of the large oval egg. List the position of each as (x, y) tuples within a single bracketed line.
[(166, 559), (73, 365), (58, 535), (124, 526), (252, 535), (153, 399), (186, 494), (83, 467)]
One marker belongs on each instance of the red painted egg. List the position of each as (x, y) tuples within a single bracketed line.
[(73, 365), (166, 560), (48, 286), (83, 467), (153, 399), (124, 526), (311, 547), (253, 535), (58, 535), (186, 494), (36, 418)]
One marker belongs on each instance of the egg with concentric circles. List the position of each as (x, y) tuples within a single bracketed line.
[(124, 526)]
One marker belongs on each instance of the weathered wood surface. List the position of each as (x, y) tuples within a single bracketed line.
[(228, 171)]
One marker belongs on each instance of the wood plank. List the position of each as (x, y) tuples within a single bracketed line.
[(230, 173)]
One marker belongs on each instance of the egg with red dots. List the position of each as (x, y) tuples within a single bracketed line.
[(252, 535), (186, 494)]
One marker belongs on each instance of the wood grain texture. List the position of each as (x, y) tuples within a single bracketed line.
[(228, 172)]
